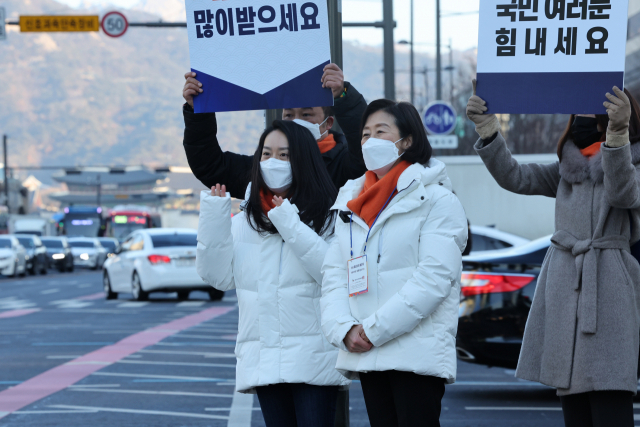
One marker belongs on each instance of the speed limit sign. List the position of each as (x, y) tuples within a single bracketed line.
[(114, 24)]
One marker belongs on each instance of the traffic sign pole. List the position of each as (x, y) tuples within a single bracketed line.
[(3, 28)]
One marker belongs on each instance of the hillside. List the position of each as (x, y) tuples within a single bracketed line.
[(87, 99)]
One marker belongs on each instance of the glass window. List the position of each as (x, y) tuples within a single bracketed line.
[(109, 244), (5, 243), (81, 244), (138, 243), (176, 239), (53, 243), (27, 242)]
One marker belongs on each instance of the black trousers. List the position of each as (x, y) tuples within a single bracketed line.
[(402, 399), (298, 405), (598, 409)]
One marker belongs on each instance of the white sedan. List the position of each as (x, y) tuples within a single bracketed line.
[(13, 257), (87, 252), (156, 260)]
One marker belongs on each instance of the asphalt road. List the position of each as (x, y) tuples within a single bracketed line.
[(70, 358)]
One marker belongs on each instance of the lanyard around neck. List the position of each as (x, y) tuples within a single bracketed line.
[(370, 228)]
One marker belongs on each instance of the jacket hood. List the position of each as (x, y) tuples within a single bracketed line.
[(575, 167), (434, 173)]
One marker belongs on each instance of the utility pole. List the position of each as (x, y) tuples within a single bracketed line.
[(451, 69), (389, 50), (438, 56), (412, 58), (6, 175), (99, 188)]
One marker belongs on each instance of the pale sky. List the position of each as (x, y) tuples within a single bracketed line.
[(462, 29)]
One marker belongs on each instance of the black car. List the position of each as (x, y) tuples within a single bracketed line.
[(59, 253), (37, 259), (496, 295)]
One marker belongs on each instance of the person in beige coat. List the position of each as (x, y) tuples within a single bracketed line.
[(582, 333)]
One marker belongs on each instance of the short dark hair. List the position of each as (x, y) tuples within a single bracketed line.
[(409, 123), (328, 111), (312, 190)]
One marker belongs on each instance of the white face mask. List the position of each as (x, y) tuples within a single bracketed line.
[(380, 155), (313, 127), (276, 174)]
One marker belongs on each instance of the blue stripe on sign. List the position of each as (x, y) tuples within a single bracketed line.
[(303, 91), (547, 93)]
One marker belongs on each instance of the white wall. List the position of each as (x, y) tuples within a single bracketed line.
[(486, 203)]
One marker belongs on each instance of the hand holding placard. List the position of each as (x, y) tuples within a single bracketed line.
[(486, 124), (619, 111)]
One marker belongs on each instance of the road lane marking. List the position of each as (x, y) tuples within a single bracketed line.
[(17, 313), (164, 377), (41, 344), (61, 377), (142, 412), (62, 357), (512, 408), (94, 385), (72, 411), (225, 409), (91, 297), (190, 304), (191, 353), (160, 393), (132, 304), (49, 291), (201, 337), (204, 365), (198, 344), (71, 303), (241, 410)]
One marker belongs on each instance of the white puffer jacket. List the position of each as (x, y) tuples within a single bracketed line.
[(278, 282), (410, 313)]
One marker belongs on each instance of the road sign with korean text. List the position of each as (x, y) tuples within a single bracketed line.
[(550, 56), (259, 54), (57, 23)]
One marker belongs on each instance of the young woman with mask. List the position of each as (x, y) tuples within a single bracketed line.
[(272, 253), (391, 284), (582, 333)]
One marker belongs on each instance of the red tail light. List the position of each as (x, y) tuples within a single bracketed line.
[(159, 259), (487, 283)]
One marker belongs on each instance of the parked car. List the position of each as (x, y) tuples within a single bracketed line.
[(13, 257), (110, 244), (496, 295), (59, 253), (489, 238), (37, 259), (87, 252), (156, 260)]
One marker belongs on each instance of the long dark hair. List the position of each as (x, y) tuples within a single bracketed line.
[(409, 123), (603, 121), (312, 190)]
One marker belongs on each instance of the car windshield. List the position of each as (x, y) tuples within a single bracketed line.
[(5, 243), (175, 239), (53, 243), (27, 242), (109, 244), (80, 244)]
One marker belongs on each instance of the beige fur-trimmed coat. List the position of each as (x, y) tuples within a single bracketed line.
[(583, 329)]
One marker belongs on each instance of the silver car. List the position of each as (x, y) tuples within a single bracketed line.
[(87, 252)]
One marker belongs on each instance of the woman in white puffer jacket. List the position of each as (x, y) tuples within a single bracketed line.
[(395, 322), (272, 254)]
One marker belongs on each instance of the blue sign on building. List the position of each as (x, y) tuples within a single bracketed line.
[(439, 118)]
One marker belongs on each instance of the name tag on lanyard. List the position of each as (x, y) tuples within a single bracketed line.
[(358, 275)]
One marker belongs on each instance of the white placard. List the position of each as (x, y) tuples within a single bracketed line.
[(259, 53), (550, 56)]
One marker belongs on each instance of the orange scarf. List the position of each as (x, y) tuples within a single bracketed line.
[(266, 199), (591, 150), (376, 192), (327, 144)]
